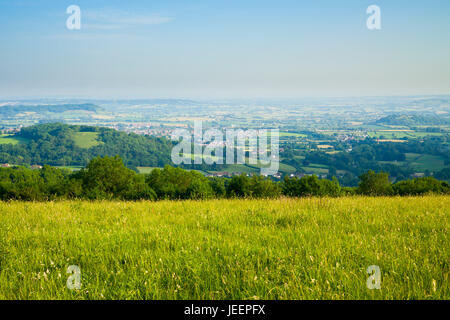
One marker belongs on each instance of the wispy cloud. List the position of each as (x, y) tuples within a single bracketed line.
[(115, 19)]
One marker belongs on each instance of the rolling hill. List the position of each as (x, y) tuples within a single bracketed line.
[(71, 145), (414, 119), (12, 110)]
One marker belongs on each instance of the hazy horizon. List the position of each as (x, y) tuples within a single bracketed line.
[(242, 99), (223, 50)]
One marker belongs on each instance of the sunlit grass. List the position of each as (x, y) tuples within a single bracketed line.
[(86, 139), (226, 249), (11, 139)]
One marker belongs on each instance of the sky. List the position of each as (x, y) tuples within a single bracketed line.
[(207, 49)]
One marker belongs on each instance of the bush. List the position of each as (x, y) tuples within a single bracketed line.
[(239, 186), (175, 183), (264, 188), (375, 184), (311, 186), (444, 174), (108, 178), (218, 187), (20, 183), (254, 187), (53, 179), (421, 186)]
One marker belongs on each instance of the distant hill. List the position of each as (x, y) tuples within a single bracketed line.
[(12, 110), (70, 145), (414, 120), (169, 102)]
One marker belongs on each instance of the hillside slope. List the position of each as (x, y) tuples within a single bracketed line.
[(70, 145), (414, 120)]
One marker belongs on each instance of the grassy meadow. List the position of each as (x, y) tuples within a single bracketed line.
[(86, 139), (226, 249), (11, 139)]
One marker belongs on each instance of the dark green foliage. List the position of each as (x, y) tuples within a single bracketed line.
[(368, 154), (54, 181), (444, 174), (311, 186), (375, 184), (175, 183), (264, 188), (54, 144), (21, 184), (108, 178), (239, 186), (104, 178), (421, 186), (254, 187), (218, 186)]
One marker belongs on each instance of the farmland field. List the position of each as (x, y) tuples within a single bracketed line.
[(146, 170), (425, 162), (11, 139), (86, 139), (226, 249), (401, 134)]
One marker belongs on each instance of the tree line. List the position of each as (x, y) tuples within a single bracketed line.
[(108, 178), (368, 154)]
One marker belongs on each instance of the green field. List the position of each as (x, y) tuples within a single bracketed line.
[(226, 249), (11, 139), (86, 139), (254, 169), (402, 134), (71, 168), (316, 169), (292, 134), (240, 168), (422, 162), (146, 170)]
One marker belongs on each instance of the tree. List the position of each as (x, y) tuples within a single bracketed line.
[(218, 186), (239, 186), (264, 188), (53, 180), (175, 183), (311, 186), (444, 174), (107, 178), (20, 183), (375, 184), (421, 186)]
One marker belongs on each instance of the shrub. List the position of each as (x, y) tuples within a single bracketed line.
[(311, 186), (421, 186), (175, 183), (375, 184), (239, 186), (20, 183), (108, 178)]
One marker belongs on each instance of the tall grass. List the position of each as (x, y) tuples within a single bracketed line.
[(226, 249)]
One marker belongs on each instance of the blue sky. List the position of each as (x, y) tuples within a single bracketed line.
[(223, 49)]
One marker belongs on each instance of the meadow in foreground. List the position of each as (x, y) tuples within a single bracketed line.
[(226, 249)]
